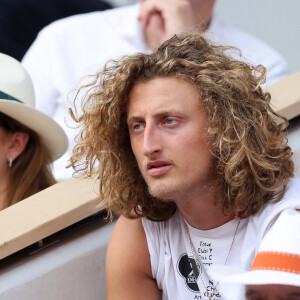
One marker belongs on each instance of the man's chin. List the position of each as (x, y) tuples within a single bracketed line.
[(163, 193)]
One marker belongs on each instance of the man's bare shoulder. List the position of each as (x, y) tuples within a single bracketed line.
[(128, 264)]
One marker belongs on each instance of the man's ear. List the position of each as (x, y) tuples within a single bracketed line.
[(18, 142)]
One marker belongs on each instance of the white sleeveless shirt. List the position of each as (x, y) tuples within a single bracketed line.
[(172, 260)]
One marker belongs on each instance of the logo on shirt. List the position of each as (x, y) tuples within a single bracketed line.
[(185, 268)]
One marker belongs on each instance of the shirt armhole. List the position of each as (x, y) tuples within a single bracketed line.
[(151, 231)]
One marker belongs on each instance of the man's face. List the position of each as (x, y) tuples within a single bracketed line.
[(168, 134), (272, 292)]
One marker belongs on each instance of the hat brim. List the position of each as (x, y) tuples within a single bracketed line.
[(259, 277), (52, 135), (256, 277)]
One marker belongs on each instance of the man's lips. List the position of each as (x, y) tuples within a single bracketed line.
[(158, 167)]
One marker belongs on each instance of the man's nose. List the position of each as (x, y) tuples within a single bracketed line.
[(152, 141)]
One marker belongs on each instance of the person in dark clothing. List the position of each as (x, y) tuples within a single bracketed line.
[(21, 20)]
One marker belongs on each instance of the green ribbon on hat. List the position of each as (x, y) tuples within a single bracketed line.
[(5, 96)]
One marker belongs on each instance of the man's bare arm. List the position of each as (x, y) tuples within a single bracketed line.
[(128, 268)]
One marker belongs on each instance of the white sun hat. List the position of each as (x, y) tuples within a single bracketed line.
[(278, 258), (17, 101)]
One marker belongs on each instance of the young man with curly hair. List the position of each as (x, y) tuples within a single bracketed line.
[(193, 158), (69, 49)]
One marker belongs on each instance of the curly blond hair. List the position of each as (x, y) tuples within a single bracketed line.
[(253, 161)]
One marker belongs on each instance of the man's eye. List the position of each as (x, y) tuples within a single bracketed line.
[(137, 127), (169, 121)]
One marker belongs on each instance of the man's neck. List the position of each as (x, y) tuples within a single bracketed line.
[(202, 213)]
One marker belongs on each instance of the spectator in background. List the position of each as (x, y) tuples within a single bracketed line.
[(29, 139), (21, 20), (71, 48)]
